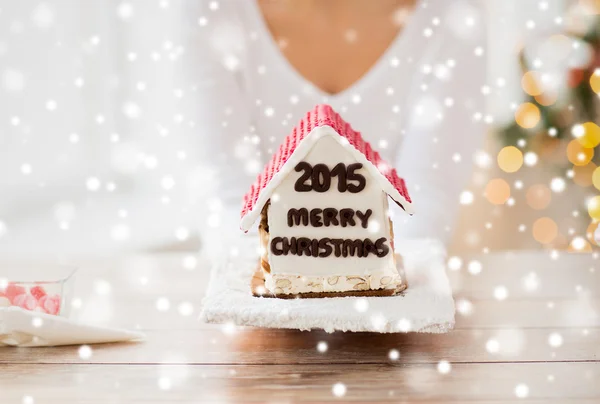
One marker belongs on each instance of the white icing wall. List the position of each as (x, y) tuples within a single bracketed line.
[(330, 152)]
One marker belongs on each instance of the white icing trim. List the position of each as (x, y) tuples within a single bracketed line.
[(299, 153)]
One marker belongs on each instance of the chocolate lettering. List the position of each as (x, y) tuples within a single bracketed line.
[(315, 217), (353, 176), (382, 248), (274, 249), (352, 248), (327, 217), (300, 185), (347, 217), (369, 247), (340, 171), (315, 247), (337, 243), (364, 217), (321, 178), (304, 246), (297, 216), (330, 217), (324, 245), (289, 246)]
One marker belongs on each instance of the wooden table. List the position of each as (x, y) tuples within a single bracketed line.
[(540, 341)]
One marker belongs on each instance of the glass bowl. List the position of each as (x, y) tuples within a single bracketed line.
[(50, 292)]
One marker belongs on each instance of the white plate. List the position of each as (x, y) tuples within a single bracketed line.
[(19, 327), (426, 306)]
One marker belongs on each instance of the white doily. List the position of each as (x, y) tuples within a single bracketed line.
[(426, 305)]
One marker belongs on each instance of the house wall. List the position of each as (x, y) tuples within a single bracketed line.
[(330, 152)]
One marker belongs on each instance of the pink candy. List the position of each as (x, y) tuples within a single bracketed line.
[(34, 299), (25, 301), (38, 292), (50, 304), (13, 291)]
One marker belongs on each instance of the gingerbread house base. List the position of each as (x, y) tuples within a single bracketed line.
[(257, 286)]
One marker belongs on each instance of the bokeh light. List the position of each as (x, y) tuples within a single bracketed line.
[(510, 159), (530, 159), (555, 340), (595, 81), (577, 154), (589, 233), (596, 178), (589, 134), (339, 389), (593, 207), (548, 98), (522, 390), (582, 175), (497, 191), (527, 115), (558, 184), (444, 367), (531, 83), (322, 346), (544, 230), (538, 196), (579, 244)]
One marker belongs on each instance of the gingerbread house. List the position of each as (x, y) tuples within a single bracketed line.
[(322, 201)]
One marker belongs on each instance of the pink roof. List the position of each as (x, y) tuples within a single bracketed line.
[(321, 115)]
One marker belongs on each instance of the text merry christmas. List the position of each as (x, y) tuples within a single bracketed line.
[(318, 178), (326, 246), (327, 217)]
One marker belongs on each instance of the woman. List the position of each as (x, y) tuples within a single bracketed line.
[(407, 74)]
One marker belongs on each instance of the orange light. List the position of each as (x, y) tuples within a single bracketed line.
[(497, 191), (590, 232), (583, 174), (510, 159), (593, 207), (531, 83), (580, 245), (546, 99), (538, 196), (596, 178), (544, 230), (527, 115), (577, 154), (595, 81), (589, 135)]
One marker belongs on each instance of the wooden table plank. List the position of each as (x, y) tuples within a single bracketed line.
[(184, 383), (226, 345), (211, 362)]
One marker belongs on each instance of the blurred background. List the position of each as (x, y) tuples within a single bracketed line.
[(99, 152)]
